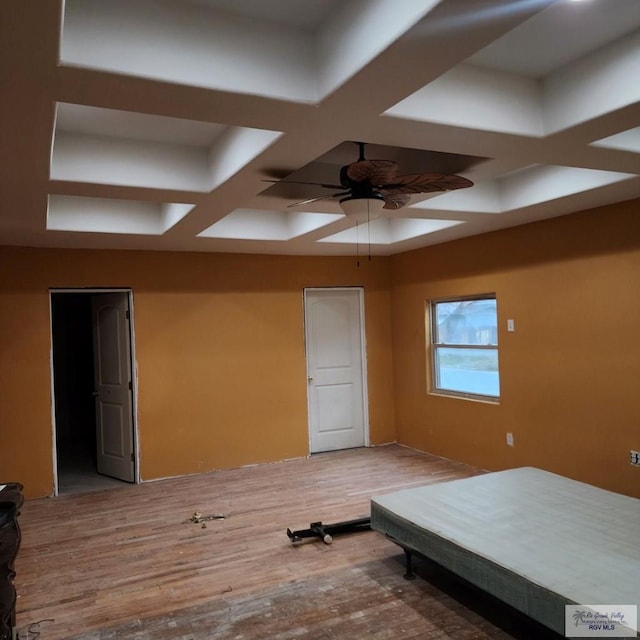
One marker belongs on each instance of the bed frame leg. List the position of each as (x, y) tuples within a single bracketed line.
[(408, 554)]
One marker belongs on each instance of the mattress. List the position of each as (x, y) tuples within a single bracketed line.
[(532, 538)]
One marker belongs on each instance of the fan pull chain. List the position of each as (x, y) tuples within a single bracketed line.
[(357, 246), (369, 229)]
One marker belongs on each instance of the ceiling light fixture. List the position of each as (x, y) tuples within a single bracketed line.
[(363, 209)]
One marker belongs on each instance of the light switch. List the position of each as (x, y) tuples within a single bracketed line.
[(511, 325)]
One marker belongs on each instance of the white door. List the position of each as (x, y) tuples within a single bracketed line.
[(335, 365), (113, 393)]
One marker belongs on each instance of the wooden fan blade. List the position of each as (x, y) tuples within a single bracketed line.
[(315, 184), (395, 201), (310, 200), (377, 172), (425, 183)]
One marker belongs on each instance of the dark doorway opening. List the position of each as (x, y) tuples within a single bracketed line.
[(73, 383)]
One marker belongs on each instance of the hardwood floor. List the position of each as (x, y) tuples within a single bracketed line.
[(131, 562)]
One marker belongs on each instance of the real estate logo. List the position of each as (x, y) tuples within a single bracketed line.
[(601, 621)]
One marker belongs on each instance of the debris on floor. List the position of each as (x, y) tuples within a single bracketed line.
[(198, 518)]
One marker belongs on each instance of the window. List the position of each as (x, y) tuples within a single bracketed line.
[(464, 346)]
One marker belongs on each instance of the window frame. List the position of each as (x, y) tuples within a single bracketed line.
[(433, 346)]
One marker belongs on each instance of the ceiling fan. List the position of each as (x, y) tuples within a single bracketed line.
[(376, 184)]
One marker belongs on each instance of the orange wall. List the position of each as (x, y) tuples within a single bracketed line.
[(219, 342), (220, 351), (569, 374)]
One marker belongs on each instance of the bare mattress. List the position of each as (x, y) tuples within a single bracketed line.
[(534, 539)]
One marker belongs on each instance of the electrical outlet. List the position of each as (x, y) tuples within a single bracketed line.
[(510, 439), (635, 458)]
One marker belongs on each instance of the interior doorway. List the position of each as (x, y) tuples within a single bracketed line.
[(336, 368), (89, 433)]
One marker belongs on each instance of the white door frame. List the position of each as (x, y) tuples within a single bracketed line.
[(363, 351), (134, 376)]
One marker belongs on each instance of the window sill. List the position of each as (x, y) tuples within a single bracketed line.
[(465, 396)]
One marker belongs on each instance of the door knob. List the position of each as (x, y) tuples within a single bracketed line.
[(94, 394), (309, 379)]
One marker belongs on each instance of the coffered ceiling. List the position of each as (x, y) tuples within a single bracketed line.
[(166, 124)]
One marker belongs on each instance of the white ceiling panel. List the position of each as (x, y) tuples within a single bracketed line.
[(231, 125)]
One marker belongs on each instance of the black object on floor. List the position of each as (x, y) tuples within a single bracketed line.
[(326, 531)]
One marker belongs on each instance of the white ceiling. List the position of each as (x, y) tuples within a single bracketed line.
[(154, 124)]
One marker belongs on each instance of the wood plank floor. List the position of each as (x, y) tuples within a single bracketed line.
[(130, 562)]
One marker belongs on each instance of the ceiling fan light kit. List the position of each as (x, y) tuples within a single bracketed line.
[(363, 209)]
